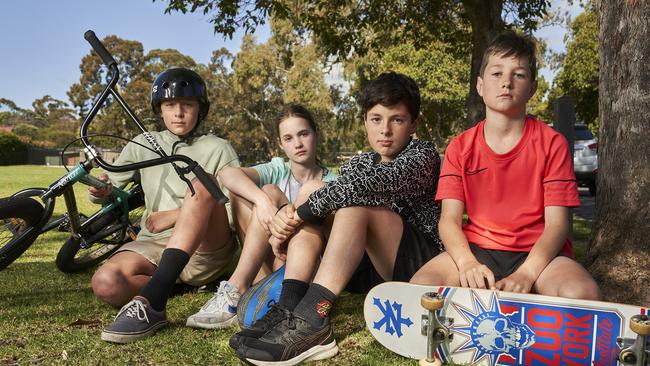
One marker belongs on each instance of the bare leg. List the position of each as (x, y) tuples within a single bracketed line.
[(202, 223), (356, 229), (118, 280), (126, 273), (440, 270), (242, 212), (253, 263), (565, 277), (306, 245)]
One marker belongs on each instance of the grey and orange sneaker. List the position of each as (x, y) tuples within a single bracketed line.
[(290, 342), (136, 320), (270, 319)]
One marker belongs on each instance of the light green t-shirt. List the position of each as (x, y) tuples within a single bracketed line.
[(278, 172), (163, 189)]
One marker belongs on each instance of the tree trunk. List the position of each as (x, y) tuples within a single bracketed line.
[(485, 17), (620, 243)]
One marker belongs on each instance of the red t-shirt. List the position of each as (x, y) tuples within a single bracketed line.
[(505, 194)]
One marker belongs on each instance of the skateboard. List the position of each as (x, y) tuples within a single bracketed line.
[(483, 327)]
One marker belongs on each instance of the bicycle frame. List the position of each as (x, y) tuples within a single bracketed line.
[(63, 186)]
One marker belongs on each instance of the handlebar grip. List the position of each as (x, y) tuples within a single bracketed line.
[(209, 184), (98, 46), (93, 181)]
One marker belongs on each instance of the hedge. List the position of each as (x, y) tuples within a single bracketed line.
[(12, 150)]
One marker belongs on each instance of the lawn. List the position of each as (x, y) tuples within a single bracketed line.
[(48, 317)]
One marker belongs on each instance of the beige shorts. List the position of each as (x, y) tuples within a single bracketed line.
[(203, 267)]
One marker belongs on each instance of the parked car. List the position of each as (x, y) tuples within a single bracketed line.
[(585, 157)]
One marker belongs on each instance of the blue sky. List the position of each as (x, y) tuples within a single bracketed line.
[(41, 42)]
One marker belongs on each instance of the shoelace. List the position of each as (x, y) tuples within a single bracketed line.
[(134, 309), (271, 317), (220, 298)]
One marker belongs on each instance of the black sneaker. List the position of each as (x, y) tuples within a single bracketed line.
[(290, 342), (272, 317), (134, 321)]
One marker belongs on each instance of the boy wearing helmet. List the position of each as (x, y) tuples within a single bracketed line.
[(198, 250)]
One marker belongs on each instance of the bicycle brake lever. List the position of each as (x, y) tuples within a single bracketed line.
[(181, 174)]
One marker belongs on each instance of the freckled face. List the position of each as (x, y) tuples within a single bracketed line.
[(506, 85)]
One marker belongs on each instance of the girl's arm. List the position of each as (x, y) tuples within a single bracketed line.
[(244, 183)]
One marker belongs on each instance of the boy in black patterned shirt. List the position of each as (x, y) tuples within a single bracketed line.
[(384, 218)]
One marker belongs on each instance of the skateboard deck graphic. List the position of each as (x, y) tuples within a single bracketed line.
[(501, 328)]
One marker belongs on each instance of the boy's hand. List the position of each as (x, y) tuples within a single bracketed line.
[(474, 275), (159, 221), (279, 248), (103, 192), (285, 223), (520, 280)]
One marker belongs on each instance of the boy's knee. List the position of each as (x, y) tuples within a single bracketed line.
[(584, 291), (200, 192), (106, 284)]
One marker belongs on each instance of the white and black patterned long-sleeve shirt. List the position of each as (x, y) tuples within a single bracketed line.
[(407, 185)]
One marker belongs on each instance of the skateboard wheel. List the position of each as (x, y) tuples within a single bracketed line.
[(640, 324), (627, 357), (435, 362), (431, 301)]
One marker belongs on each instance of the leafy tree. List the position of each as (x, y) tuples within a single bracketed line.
[(219, 78), (9, 104), (285, 69), (619, 246), (137, 72), (128, 54), (579, 67), (343, 26), (440, 72), (56, 137), (538, 105), (27, 131)]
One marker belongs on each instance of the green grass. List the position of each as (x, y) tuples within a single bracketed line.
[(48, 317)]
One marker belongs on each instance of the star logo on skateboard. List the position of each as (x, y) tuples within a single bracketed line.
[(489, 332)]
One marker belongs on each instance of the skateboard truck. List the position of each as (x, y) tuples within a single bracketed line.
[(636, 353), (436, 329)]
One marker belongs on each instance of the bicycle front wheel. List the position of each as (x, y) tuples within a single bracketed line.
[(99, 243), (18, 216)]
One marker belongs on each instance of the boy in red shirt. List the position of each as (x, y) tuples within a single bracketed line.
[(513, 176)]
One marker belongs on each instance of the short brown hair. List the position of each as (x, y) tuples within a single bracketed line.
[(508, 44), (391, 88)]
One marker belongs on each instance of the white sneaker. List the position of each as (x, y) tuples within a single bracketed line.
[(220, 311)]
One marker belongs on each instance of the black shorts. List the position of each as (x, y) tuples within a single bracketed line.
[(502, 263), (415, 249)]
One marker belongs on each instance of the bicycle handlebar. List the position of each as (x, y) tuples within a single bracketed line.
[(98, 46), (209, 184), (192, 165)]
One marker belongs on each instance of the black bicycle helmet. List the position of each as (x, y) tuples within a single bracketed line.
[(180, 83)]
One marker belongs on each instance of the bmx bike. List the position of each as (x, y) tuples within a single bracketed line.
[(27, 214)]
